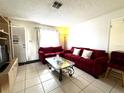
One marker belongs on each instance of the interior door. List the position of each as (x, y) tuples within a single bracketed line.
[(117, 35), (19, 43)]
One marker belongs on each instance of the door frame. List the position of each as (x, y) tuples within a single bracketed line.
[(25, 40)]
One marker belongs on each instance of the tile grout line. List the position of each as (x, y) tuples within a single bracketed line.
[(26, 80), (57, 83), (76, 84), (35, 84), (48, 80), (110, 88), (84, 79), (72, 82), (20, 81), (85, 86), (55, 80), (113, 87), (59, 86), (41, 81)]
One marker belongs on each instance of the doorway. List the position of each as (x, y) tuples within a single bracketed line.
[(19, 43), (117, 35)]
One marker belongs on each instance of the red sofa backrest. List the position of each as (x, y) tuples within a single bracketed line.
[(96, 53), (81, 51), (46, 49), (57, 49), (51, 49)]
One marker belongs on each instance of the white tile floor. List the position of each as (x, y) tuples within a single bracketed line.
[(37, 78)]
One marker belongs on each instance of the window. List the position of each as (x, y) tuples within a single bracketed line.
[(49, 38)]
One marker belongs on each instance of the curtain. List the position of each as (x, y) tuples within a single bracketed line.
[(48, 37)]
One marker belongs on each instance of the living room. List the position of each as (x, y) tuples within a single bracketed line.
[(73, 27)]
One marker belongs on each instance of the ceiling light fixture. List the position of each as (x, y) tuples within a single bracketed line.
[(57, 5)]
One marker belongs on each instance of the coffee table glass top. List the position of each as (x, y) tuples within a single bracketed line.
[(59, 63)]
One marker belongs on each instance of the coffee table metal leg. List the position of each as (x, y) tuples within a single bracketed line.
[(60, 75), (71, 71), (49, 66)]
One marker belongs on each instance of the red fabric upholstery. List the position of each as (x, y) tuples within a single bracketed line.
[(117, 60), (116, 66), (57, 49), (72, 49), (97, 53), (67, 51), (45, 52), (67, 56), (86, 65), (75, 58), (50, 54), (94, 66)]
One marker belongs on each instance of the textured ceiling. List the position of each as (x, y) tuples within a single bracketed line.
[(72, 11)]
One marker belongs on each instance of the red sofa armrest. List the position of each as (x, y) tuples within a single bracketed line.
[(41, 52), (100, 66), (42, 56)]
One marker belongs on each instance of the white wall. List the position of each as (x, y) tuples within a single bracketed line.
[(93, 33), (31, 38)]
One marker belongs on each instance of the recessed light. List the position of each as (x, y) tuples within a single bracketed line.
[(57, 5)]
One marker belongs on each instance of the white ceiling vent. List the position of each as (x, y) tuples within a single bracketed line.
[(57, 5)]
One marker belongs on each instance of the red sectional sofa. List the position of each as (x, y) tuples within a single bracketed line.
[(95, 66), (45, 52)]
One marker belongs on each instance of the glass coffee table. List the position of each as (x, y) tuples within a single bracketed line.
[(60, 64)]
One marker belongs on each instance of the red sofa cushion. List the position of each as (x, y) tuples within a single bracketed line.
[(67, 55), (74, 58)]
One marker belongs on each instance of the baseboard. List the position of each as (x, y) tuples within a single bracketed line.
[(29, 62)]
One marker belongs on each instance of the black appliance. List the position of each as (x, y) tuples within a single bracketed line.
[(4, 55)]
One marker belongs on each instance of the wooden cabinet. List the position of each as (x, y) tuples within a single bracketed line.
[(12, 73), (5, 34), (9, 70), (7, 77)]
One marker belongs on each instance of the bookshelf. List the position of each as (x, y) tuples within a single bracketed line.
[(2, 38), (5, 34), (9, 70)]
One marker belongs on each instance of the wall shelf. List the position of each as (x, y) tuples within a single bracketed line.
[(2, 38), (3, 32), (3, 19)]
